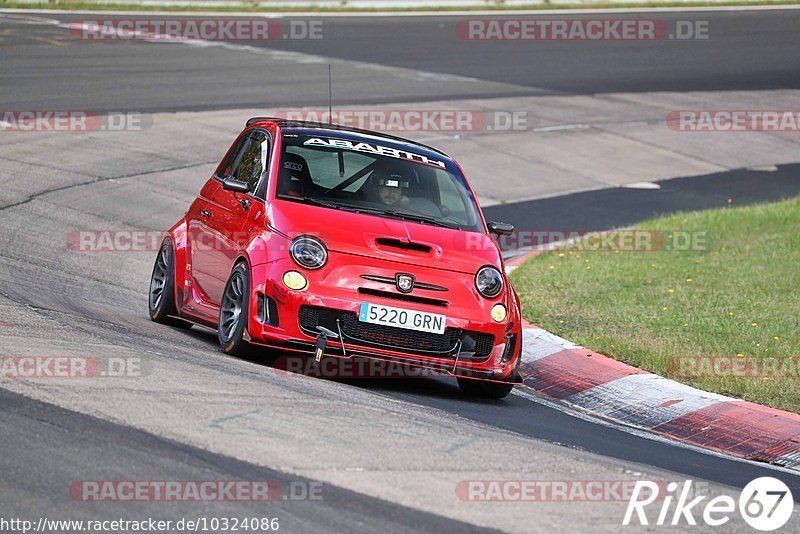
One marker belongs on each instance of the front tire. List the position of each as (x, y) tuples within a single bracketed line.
[(161, 301), (233, 310), (484, 389)]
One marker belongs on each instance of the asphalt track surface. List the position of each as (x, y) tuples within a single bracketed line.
[(605, 209), (753, 50), (49, 298), (31, 428)]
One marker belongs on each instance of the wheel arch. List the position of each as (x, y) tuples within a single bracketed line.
[(177, 234)]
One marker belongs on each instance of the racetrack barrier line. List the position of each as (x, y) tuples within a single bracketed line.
[(600, 385), (581, 378)]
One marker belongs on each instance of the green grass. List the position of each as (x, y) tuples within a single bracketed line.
[(265, 6), (739, 294)]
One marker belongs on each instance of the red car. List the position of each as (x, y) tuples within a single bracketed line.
[(334, 242)]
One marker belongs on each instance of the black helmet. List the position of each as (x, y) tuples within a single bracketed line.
[(387, 177)]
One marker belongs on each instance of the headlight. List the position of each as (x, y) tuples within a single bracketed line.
[(489, 282), (309, 252)]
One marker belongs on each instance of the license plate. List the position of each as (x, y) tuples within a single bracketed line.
[(401, 318)]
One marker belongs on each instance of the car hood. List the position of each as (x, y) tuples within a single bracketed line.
[(385, 238)]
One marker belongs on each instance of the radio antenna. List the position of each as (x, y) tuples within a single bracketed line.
[(330, 96)]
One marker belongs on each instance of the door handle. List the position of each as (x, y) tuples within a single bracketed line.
[(205, 213)]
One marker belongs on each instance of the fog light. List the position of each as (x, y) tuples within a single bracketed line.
[(295, 280), (499, 313)]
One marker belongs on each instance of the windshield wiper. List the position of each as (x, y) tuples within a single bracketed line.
[(315, 201), (334, 205), (345, 207), (408, 217), (421, 219), (391, 213)]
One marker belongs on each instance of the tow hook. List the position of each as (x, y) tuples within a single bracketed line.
[(322, 337)]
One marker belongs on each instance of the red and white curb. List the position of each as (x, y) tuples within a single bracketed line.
[(583, 379), (593, 383)]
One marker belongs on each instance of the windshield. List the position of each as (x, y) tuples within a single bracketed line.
[(375, 179)]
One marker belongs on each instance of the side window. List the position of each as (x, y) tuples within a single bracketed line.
[(226, 166), (253, 160)]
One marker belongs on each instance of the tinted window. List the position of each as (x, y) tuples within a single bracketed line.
[(253, 160), (374, 179), (226, 166)]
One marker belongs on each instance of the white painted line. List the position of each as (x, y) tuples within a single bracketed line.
[(34, 21), (277, 55), (641, 185), (535, 345), (561, 127), (792, 460), (644, 400), (543, 336), (476, 13), (763, 168)]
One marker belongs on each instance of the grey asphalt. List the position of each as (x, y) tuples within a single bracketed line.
[(604, 209), (81, 447), (392, 449), (389, 453), (745, 50)]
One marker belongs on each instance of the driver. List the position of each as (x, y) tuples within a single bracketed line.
[(389, 186)]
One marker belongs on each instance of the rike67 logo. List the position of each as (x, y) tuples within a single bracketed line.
[(765, 504)]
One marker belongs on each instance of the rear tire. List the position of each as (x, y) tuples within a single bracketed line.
[(233, 311), (161, 300), (484, 389)]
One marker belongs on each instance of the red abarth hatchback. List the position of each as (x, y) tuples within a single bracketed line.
[(335, 242)]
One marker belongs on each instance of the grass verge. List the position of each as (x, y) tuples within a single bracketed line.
[(734, 293), (256, 6)]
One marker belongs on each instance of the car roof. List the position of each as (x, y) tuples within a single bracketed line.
[(308, 125)]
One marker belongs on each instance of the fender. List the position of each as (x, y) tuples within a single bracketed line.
[(258, 255), (179, 243)]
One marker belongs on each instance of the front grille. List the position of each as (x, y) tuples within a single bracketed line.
[(404, 338), (309, 317), (484, 344), (381, 336)]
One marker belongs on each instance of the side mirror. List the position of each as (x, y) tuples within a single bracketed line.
[(229, 184), (501, 228)]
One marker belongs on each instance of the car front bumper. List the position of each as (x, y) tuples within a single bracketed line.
[(473, 345)]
